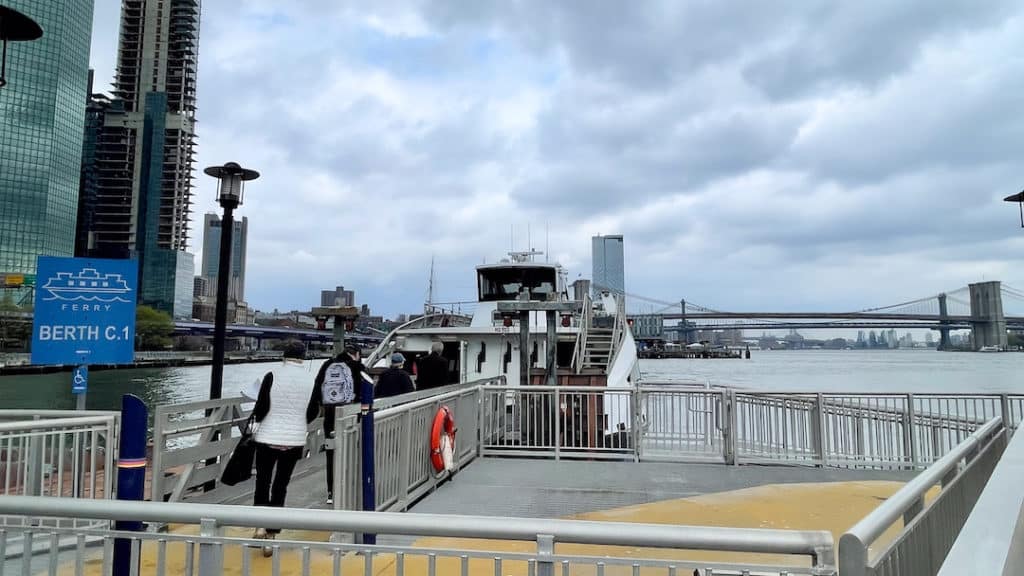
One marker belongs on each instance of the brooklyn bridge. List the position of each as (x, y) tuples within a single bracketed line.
[(977, 307)]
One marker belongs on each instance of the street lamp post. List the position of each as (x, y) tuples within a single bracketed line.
[(232, 178), (1019, 199), (14, 27)]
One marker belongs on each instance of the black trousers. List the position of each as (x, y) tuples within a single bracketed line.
[(271, 485), (329, 454)]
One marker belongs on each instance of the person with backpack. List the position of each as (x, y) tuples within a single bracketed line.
[(336, 384), (285, 406)]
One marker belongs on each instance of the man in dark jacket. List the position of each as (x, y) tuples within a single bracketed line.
[(432, 370), (394, 380), (350, 357)]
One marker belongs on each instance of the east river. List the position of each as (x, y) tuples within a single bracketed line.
[(811, 370)]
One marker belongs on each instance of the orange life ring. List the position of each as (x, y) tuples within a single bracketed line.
[(442, 440)]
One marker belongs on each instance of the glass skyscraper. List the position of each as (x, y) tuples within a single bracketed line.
[(42, 113), (608, 264), (211, 255)]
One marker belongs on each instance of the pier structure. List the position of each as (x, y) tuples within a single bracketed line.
[(881, 457)]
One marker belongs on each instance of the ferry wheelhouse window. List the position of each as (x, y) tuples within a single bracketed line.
[(507, 283)]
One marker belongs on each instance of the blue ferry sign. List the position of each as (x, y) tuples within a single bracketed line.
[(84, 311), (80, 380)]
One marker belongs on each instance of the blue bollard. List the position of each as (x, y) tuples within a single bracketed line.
[(131, 475), (369, 492)]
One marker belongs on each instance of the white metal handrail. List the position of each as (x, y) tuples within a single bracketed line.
[(581, 338), (816, 544), (992, 539), (389, 339), (55, 423), (908, 502), (60, 456)]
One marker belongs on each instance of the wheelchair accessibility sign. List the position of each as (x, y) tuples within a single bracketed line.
[(80, 380)]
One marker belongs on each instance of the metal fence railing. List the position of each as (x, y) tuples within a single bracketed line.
[(855, 430), (555, 421), (57, 453), (874, 431), (682, 426), (679, 424), (928, 530), (624, 548), (402, 446), (992, 539)]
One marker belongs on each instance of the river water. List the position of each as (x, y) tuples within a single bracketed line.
[(810, 370)]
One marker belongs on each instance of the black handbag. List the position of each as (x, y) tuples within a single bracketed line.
[(238, 468)]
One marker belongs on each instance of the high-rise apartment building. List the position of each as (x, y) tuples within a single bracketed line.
[(211, 255), (338, 297), (144, 152), (608, 264), (95, 115), (42, 110)]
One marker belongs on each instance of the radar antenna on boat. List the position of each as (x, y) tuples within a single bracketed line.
[(527, 256)]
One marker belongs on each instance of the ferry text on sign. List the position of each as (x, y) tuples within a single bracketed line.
[(84, 311)]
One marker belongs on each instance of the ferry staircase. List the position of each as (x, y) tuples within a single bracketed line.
[(597, 350)]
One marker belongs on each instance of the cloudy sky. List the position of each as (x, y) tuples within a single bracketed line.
[(789, 155)]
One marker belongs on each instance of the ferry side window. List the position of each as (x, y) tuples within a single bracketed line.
[(508, 357), (481, 357)]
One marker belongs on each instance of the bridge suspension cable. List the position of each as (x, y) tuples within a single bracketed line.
[(907, 304), (666, 305)]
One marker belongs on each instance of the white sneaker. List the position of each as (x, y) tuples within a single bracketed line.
[(260, 534), (330, 500), (268, 550)]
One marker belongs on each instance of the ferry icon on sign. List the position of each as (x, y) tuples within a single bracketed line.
[(87, 285)]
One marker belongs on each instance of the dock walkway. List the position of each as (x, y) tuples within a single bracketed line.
[(553, 489)]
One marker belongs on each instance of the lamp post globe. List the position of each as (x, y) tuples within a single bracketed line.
[(230, 192), (1018, 198), (14, 27)]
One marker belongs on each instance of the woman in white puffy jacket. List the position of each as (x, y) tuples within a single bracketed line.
[(284, 408)]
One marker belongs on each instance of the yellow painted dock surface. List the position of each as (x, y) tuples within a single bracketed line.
[(832, 506)]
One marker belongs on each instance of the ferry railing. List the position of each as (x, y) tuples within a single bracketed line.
[(618, 329), (581, 337), (929, 528), (992, 539), (214, 537), (402, 434), (388, 342), (60, 453)]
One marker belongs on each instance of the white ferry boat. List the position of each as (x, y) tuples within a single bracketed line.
[(593, 346)]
